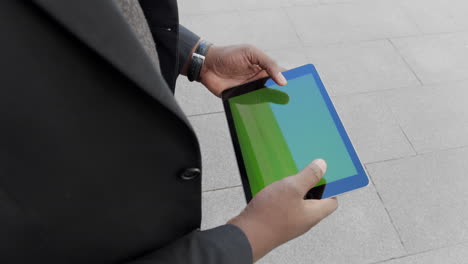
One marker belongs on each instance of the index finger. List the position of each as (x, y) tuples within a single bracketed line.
[(320, 208)]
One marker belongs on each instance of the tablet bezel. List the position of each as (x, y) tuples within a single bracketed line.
[(319, 192)]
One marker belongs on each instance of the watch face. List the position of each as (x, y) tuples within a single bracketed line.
[(193, 72), (198, 56)]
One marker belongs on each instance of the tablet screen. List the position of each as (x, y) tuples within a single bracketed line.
[(281, 129)]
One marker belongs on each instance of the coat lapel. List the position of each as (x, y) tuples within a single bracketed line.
[(100, 24)]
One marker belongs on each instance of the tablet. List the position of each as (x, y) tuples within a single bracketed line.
[(277, 130)]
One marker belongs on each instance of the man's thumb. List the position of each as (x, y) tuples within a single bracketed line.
[(268, 64), (311, 174)]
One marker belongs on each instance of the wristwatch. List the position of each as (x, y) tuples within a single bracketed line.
[(198, 59)]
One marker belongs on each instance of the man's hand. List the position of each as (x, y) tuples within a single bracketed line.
[(226, 67), (279, 213)]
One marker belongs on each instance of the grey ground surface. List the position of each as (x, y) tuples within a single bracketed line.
[(398, 74)]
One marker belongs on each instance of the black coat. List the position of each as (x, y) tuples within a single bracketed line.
[(93, 144)]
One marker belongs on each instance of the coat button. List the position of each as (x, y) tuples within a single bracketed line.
[(190, 174)]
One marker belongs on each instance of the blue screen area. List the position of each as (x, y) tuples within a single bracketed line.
[(309, 129)]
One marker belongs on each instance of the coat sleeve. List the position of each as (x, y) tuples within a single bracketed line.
[(225, 244), (187, 40)]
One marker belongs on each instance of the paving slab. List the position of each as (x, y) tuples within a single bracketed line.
[(426, 198), (221, 28), (221, 205), (264, 28), (362, 67), (195, 99), (436, 58), (244, 5), (351, 22), (304, 2), (436, 16), (337, 1), (198, 7), (375, 133), (451, 255), (433, 118), (289, 58), (191, 7), (218, 159)]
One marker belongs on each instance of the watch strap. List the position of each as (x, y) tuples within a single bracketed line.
[(198, 59)]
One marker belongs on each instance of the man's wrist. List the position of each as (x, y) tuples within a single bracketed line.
[(197, 61)]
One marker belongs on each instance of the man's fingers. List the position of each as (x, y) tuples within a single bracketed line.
[(320, 208), (268, 64), (311, 175)]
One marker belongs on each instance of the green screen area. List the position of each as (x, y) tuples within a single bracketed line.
[(280, 129)]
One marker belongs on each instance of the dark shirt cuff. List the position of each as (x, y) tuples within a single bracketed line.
[(231, 240), (187, 40), (226, 244)]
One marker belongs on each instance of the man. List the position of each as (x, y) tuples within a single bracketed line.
[(98, 164)]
